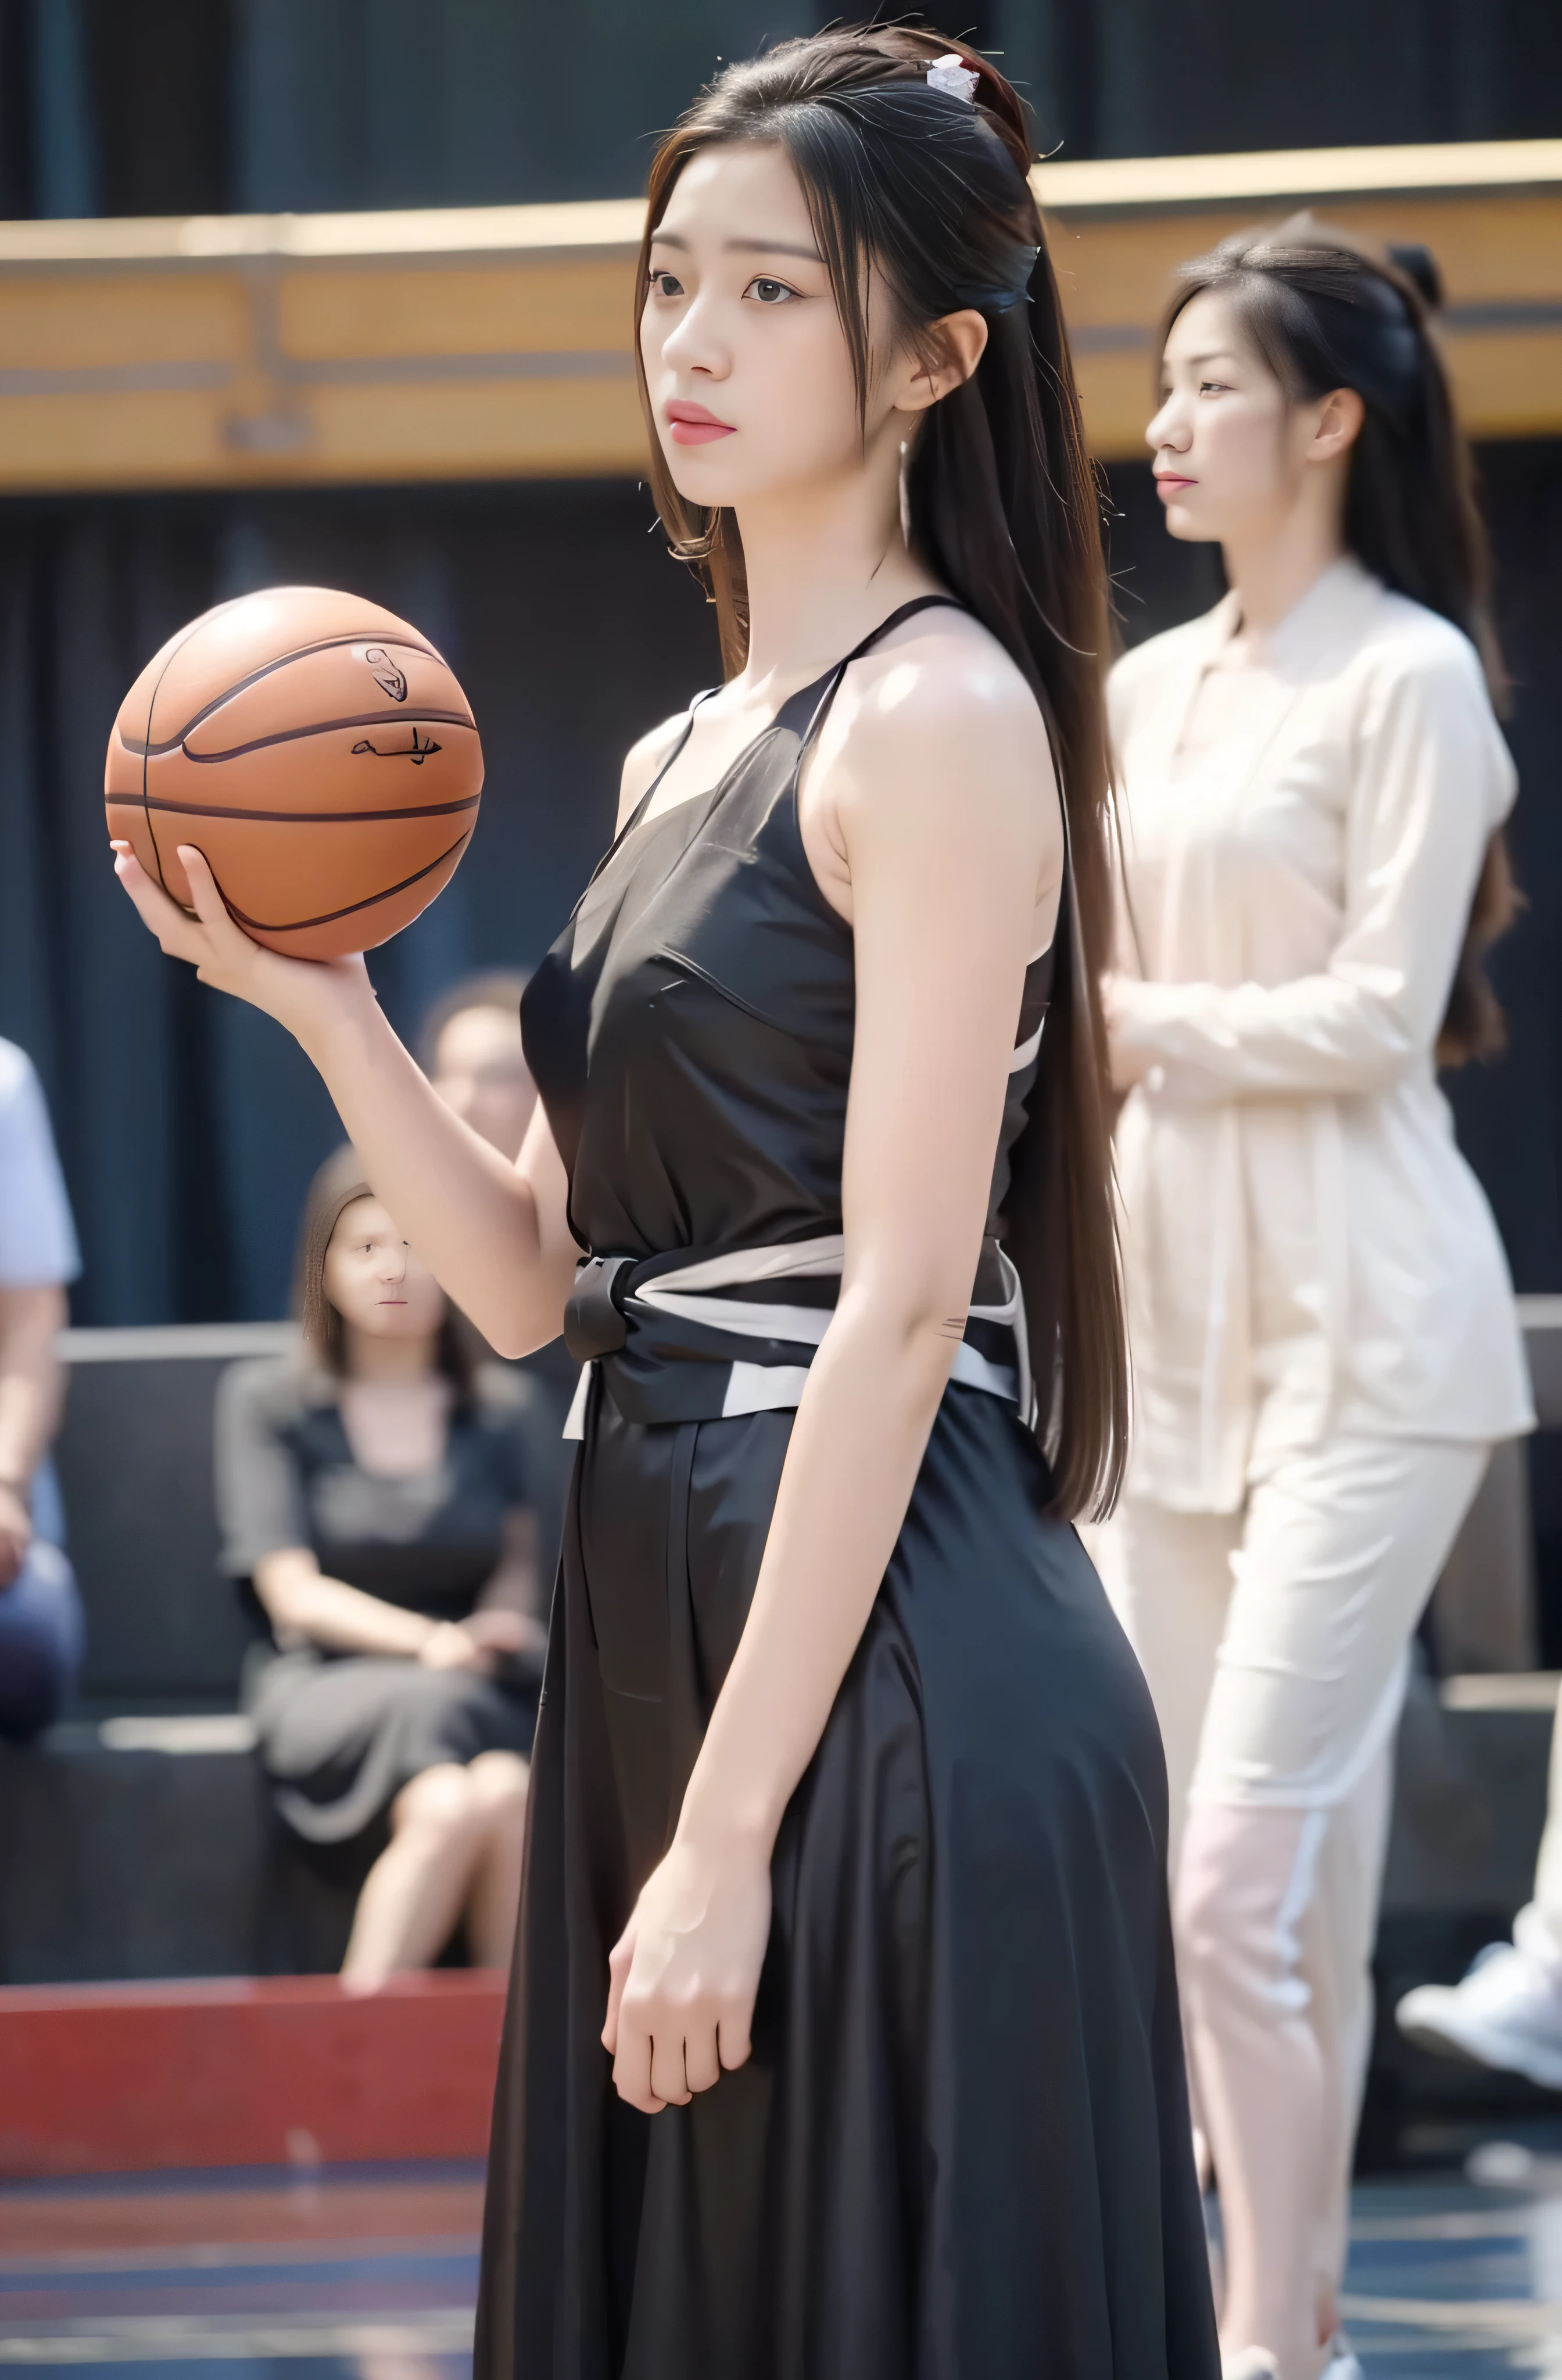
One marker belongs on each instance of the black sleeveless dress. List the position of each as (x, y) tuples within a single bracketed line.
[(961, 2150)]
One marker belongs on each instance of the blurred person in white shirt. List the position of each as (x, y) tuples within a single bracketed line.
[(1324, 1342), (41, 1626)]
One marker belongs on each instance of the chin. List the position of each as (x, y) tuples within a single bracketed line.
[(1187, 527)]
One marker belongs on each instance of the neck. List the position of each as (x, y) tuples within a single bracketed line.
[(388, 1363), (1273, 569), (824, 563)]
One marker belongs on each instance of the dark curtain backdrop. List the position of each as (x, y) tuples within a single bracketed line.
[(195, 106), (190, 1125)]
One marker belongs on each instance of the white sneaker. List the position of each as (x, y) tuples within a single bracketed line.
[(1507, 2012), (1252, 2363), (1343, 2363)]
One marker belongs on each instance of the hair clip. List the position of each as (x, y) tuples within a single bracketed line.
[(951, 75)]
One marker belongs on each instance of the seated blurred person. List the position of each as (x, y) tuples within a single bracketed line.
[(373, 1497), (472, 1053), (41, 1627), (1507, 2011)]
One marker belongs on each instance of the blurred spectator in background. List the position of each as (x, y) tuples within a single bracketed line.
[(41, 1625), (1507, 2011), (470, 1050), (472, 1053), (374, 1498)]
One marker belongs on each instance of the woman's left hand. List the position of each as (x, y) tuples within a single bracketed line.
[(684, 1972)]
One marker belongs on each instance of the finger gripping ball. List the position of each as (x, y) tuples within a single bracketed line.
[(320, 753)]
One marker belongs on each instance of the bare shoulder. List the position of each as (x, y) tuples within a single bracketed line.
[(940, 713), (643, 759)]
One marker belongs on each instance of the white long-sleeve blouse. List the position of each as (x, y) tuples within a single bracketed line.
[(1306, 1249)]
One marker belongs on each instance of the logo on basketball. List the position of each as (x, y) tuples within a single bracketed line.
[(416, 751), (390, 679)]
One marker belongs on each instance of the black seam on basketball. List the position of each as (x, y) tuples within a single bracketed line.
[(387, 892), (283, 660), (146, 748), (313, 817)]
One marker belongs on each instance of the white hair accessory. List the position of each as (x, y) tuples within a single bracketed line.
[(951, 75)]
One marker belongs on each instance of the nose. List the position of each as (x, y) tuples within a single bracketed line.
[(1167, 428), (694, 345), (393, 1265)]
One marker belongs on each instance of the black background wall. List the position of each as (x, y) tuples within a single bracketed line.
[(188, 1126), (175, 106)]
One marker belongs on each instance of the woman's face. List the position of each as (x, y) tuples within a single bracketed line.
[(745, 358), (373, 1279), (480, 1070), (1232, 450)]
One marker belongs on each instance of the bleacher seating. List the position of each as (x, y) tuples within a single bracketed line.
[(136, 1839)]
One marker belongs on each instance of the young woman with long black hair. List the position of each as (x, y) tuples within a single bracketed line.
[(848, 1816), (1323, 1326)]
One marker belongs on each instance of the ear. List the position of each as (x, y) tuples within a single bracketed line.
[(1340, 417), (951, 352)]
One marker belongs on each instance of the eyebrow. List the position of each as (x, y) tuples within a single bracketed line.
[(745, 246)]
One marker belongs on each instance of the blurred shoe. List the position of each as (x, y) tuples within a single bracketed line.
[(1252, 2363), (1343, 2363), (1507, 2012)]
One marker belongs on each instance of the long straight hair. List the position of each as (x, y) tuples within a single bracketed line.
[(1327, 310), (931, 190)]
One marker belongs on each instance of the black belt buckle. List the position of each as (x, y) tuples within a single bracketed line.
[(593, 1325)]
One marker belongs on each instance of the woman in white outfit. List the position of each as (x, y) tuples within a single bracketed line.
[(1325, 1341)]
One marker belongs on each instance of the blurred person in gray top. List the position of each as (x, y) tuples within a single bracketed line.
[(375, 1509), (41, 1625)]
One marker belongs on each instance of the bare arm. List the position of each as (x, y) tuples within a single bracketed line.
[(305, 1607), (949, 828), (494, 1234), (31, 1380)]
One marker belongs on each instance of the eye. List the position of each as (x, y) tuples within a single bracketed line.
[(768, 292), (664, 284), (1214, 387)]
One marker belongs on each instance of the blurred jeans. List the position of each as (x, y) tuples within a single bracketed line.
[(41, 1631)]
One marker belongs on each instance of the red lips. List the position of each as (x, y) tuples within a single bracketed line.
[(695, 425)]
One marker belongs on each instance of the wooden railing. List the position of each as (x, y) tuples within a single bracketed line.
[(461, 343)]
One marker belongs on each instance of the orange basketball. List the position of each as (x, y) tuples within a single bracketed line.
[(317, 750)]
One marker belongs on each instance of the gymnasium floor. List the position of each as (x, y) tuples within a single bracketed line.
[(368, 2272)]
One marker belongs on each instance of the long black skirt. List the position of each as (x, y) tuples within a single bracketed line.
[(961, 2150)]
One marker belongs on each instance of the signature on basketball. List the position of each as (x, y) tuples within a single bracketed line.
[(387, 677), (416, 751)]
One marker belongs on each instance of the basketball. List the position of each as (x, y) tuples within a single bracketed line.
[(321, 754)]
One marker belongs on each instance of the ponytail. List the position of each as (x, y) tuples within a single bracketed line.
[(1003, 506)]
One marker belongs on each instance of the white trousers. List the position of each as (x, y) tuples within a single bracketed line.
[(1275, 1641), (1538, 1929)]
